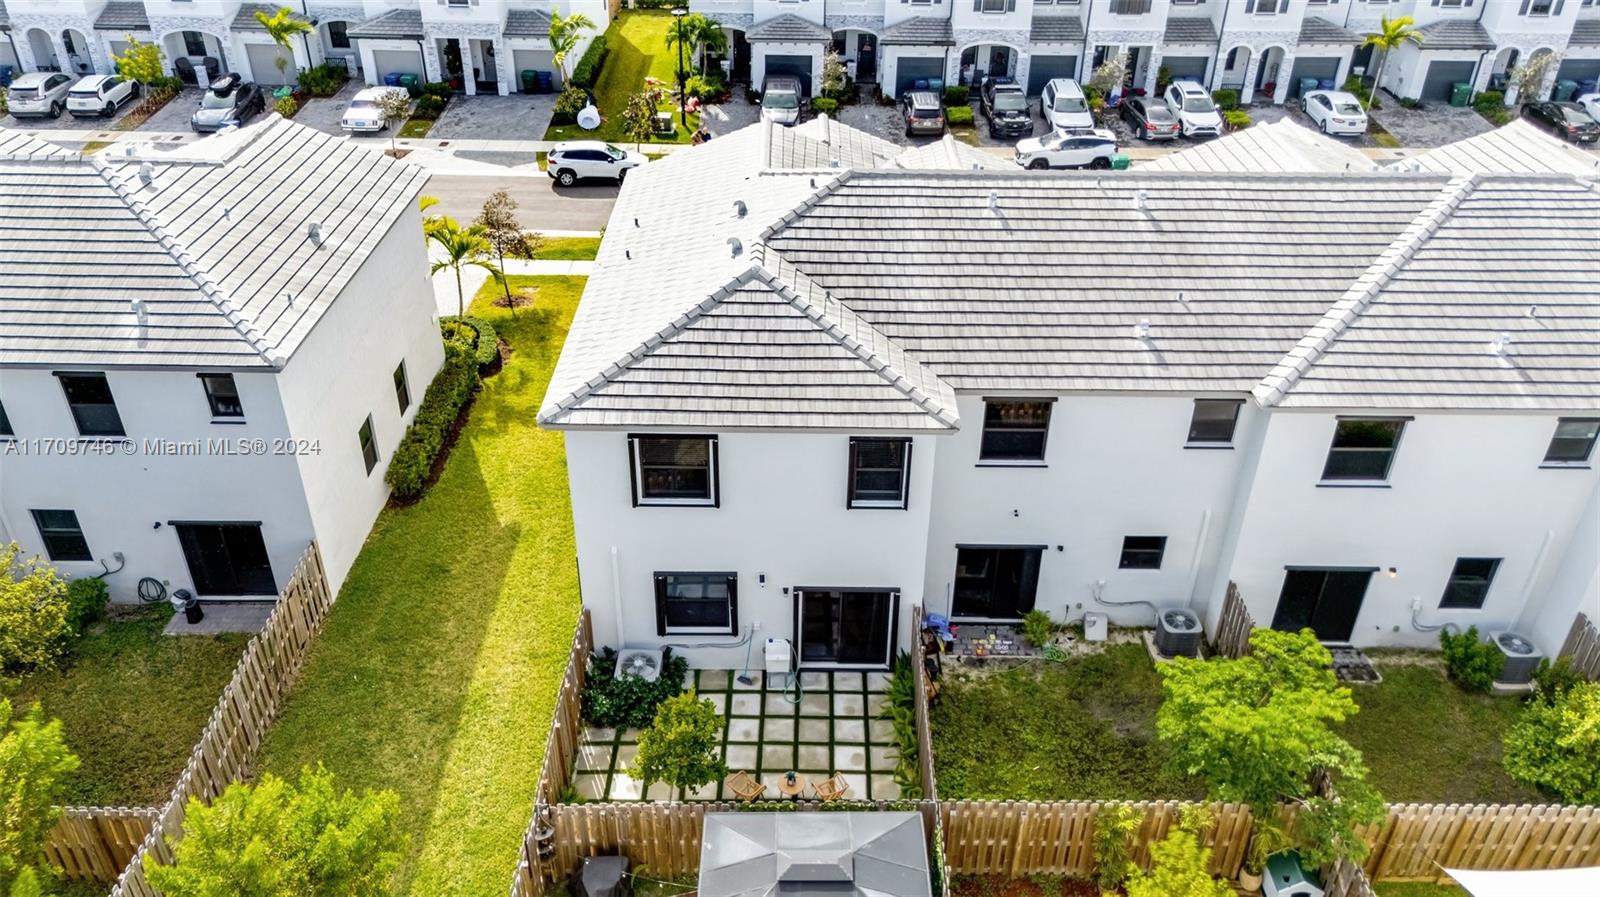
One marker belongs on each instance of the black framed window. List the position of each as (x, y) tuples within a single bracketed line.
[(223, 395), (1142, 552), (998, 582), (880, 470), (674, 470), (94, 409), (194, 43), (5, 423), (1213, 421), (1363, 449), (338, 35), (703, 603), (1573, 441), (369, 444), (1469, 583), (62, 536), (1014, 430), (402, 389)]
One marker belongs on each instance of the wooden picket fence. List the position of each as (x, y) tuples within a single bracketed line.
[(249, 703), (919, 673), (1233, 628), (1583, 646), (1346, 879), (1417, 841), (96, 843)]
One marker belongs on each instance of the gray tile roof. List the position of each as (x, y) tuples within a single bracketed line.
[(788, 28), (1585, 33), (5, 17), (1317, 30), (822, 142), (950, 154), (919, 31), (527, 23), (1517, 147), (1456, 34), (401, 24), (1056, 30), (1495, 256), (245, 19), (123, 15), (1191, 30), (1275, 146), (15, 145), (215, 247)]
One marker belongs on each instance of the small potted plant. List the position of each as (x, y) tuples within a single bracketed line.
[(1267, 839)]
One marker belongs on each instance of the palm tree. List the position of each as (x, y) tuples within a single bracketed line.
[(462, 246), (565, 32), (711, 37), (1392, 34), (281, 26)]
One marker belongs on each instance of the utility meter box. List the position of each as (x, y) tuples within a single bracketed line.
[(1284, 877), (780, 657)]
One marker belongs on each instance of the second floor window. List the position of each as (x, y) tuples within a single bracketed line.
[(1538, 7), (1363, 449), (1130, 7), (879, 470), (1014, 431), (1573, 441), (402, 388), (94, 409), (674, 470), (222, 394), (993, 5), (1266, 7), (1213, 421), (369, 444), (338, 35)]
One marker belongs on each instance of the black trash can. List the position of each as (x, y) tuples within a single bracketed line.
[(183, 600)]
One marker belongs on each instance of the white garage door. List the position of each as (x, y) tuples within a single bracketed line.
[(535, 60), (263, 64), (404, 62)]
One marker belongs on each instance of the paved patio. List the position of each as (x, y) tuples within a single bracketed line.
[(833, 728), (514, 117), (1436, 124)]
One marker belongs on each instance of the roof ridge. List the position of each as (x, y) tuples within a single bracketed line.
[(1288, 371), (805, 204), (212, 290)]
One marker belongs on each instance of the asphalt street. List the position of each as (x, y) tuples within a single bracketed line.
[(541, 205)]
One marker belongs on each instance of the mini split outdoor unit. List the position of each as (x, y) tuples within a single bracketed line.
[(642, 663), (1178, 632), (1522, 658)]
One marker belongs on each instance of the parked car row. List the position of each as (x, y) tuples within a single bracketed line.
[(48, 94), (1573, 122), (230, 101)]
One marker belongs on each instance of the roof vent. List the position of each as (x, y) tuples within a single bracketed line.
[(1141, 330), (736, 246), (834, 162), (635, 222), (1182, 300), (139, 309), (130, 150), (227, 212), (740, 209), (1141, 199), (147, 173), (1533, 311), (288, 299), (1500, 343), (1414, 164), (994, 201), (314, 233)]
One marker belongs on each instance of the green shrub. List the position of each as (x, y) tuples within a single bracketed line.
[(682, 745), (33, 611), (1556, 746), (629, 702), (1491, 104), (1409, 103), (440, 89), (1180, 863), (1236, 119), (473, 334), (1226, 98), (456, 332), (958, 115), (415, 455), (1552, 681), (428, 108), (324, 80), (900, 709), (587, 71), (1038, 628), (824, 106), (957, 94), (1474, 664), (86, 602), (286, 107), (1115, 826), (569, 102), (5, 100)]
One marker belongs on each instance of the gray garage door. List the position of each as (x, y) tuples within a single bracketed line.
[(911, 69), (263, 66), (1190, 67), (537, 60), (395, 61), (1579, 70), (1323, 68), (1442, 77), (1045, 68), (798, 66)]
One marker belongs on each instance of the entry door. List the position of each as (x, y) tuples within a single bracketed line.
[(995, 583), (227, 558), (866, 58), (1327, 601), (845, 627), (999, 61)]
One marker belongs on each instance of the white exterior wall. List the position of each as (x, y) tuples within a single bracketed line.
[(894, 11), (782, 514), (1407, 68), (810, 10), (1575, 587), (1461, 485)]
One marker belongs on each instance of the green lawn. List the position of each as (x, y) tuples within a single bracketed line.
[(568, 248), (436, 675), (416, 128), (1428, 741), (1417, 889), (1084, 728), (637, 44), (133, 703)]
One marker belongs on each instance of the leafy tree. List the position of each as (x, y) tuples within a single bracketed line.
[(33, 761), (565, 32), (638, 116), (833, 75), (1115, 826), (272, 839), (281, 26), (462, 246), (141, 62), (1180, 864), (1392, 34), (1529, 76), (680, 746), (395, 107), (34, 612), (1109, 77), (1555, 746), (498, 218)]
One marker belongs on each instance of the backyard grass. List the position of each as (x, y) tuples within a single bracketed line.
[(1426, 740), (133, 703), (637, 41), (436, 675), (1417, 889), (1083, 728), (568, 248)]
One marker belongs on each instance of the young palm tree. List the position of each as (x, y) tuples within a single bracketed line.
[(1392, 34), (281, 26), (565, 32), (711, 37), (462, 246)]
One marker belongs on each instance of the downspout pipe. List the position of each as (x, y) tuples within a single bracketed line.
[(1088, 58)]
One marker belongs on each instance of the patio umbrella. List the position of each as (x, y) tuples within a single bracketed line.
[(1584, 882)]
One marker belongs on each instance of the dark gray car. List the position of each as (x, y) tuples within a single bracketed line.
[(922, 111), (230, 100)]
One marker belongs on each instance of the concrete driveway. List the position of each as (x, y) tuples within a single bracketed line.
[(1435, 124), (514, 117), (67, 122), (323, 113)]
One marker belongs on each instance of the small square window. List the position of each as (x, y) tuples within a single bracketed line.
[(222, 394), (699, 603), (1213, 421), (94, 409), (1469, 583), (63, 537), (879, 469), (5, 424), (674, 470), (1014, 431), (369, 444), (1142, 552), (1363, 449), (402, 389), (1573, 441)]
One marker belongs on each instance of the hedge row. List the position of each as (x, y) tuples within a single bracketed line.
[(474, 335), (447, 394), (587, 71)]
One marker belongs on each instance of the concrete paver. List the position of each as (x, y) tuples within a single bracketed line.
[(1436, 124), (221, 617), (514, 117), (323, 113)]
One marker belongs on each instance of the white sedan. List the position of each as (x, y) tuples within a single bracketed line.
[(1591, 104), (100, 95), (363, 113), (1077, 148), (1336, 112)]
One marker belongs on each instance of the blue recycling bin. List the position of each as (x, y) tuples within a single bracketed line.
[(1584, 87), (5, 76), (544, 82), (936, 85), (920, 84), (392, 79)]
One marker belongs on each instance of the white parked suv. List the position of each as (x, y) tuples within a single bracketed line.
[(1336, 112), (1196, 112), (1063, 105), (1077, 148), (39, 95), (100, 95), (575, 159)]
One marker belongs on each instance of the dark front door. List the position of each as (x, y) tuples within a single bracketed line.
[(1325, 601), (227, 558), (999, 60), (741, 58), (995, 583), (866, 58), (845, 627)]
